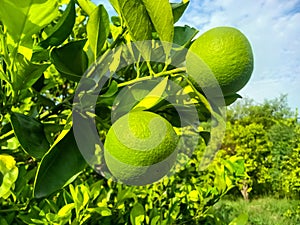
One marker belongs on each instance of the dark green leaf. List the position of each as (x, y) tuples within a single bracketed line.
[(206, 136), (98, 29), (70, 60), (63, 28), (59, 166), (184, 35), (231, 98), (30, 133), (26, 73), (178, 9)]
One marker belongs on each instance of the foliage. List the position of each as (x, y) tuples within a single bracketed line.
[(267, 137), (187, 197), (45, 49)]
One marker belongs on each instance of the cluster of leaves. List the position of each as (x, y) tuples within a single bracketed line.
[(187, 197), (45, 49), (267, 137)]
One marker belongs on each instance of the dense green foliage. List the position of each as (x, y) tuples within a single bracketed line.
[(267, 137), (45, 48)]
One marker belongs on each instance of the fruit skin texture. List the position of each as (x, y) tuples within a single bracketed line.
[(228, 54), (140, 148)]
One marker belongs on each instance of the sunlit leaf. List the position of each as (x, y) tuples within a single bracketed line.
[(137, 214), (160, 13), (153, 97), (26, 73), (22, 19), (87, 6), (136, 18), (98, 29), (9, 171)]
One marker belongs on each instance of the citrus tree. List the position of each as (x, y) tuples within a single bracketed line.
[(73, 78)]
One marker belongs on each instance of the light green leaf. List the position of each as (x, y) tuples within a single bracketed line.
[(26, 73), (103, 211), (62, 28), (3, 76), (153, 97), (10, 172), (115, 4), (22, 19), (160, 13), (98, 29), (136, 18), (66, 210), (155, 220), (194, 195), (87, 5), (137, 214)]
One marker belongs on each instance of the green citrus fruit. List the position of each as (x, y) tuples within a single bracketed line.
[(140, 148), (228, 57)]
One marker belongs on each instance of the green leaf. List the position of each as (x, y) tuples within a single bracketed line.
[(129, 96), (184, 35), (3, 76), (155, 220), (153, 97), (22, 19), (10, 172), (206, 136), (30, 133), (103, 211), (178, 9), (229, 99), (242, 219), (70, 60), (136, 18), (87, 6), (137, 214), (59, 166), (62, 28), (98, 29), (26, 73), (160, 13)]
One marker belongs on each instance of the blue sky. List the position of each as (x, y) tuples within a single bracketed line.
[(272, 27)]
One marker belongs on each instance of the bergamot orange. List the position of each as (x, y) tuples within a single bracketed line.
[(140, 148), (222, 52)]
